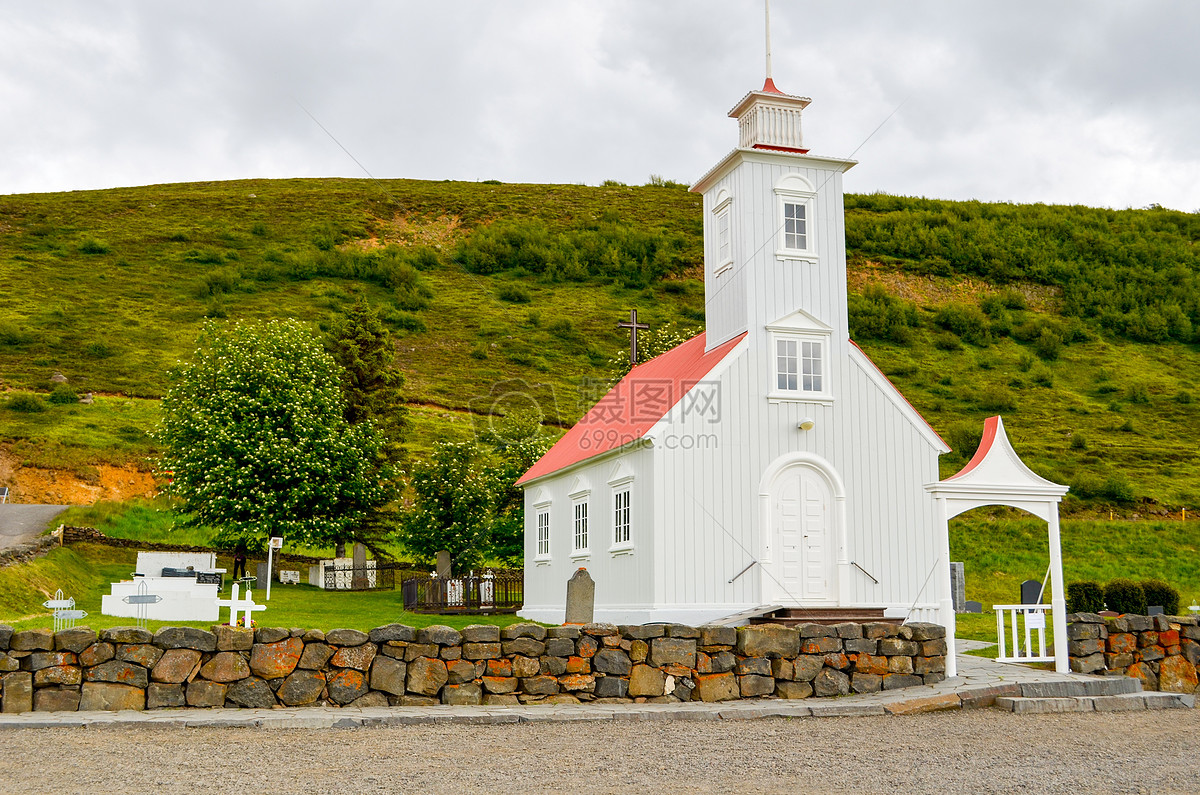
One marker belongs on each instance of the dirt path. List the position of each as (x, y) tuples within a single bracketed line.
[(974, 751)]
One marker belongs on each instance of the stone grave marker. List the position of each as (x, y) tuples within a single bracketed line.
[(581, 598), (1154, 610), (958, 587), (444, 563), (971, 606), (1030, 591), (358, 580)]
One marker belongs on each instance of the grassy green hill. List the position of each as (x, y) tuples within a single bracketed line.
[(1079, 325)]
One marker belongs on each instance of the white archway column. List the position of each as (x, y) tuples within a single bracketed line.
[(946, 603), (1058, 601)]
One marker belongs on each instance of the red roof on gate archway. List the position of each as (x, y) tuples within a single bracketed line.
[(633, 406)]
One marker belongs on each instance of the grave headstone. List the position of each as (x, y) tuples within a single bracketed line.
[(358, 580), (1030, 591), (958, 587), (444, 562), (261, 571), (1154, 610), (972, 606), (581, 598)]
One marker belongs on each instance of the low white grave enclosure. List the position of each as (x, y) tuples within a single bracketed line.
[(183, 597)]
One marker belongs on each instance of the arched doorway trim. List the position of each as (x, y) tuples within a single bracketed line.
[(837, 516)]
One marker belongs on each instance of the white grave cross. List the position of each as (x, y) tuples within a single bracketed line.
[(246, 606)]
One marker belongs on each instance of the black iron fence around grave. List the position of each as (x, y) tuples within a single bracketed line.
[(490, 591)]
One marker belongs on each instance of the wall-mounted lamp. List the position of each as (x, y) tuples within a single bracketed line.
[(806, 424)]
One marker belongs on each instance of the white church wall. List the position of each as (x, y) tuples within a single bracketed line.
[(725, 292), (623, 576)]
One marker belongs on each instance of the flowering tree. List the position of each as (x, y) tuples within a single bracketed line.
[(451, 506), (254, 432)]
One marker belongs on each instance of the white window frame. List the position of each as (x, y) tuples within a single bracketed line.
[(541, 551), (580, 519), (795, 189), (622, 545), (723, 224), (800, 394)]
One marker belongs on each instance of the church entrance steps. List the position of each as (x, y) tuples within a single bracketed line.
[(792, 616)]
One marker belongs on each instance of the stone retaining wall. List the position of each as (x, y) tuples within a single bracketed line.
[(131, 668), (27, 551), (1162, 651)]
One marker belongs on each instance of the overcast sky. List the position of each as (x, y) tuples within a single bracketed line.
[(1092, 102)]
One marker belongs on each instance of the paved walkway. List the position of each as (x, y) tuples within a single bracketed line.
[(20, 524), (979, 683)]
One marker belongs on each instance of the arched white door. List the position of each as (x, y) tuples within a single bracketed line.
[(802, 532)]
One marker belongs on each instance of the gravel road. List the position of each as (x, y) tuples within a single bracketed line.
[(972, 751)]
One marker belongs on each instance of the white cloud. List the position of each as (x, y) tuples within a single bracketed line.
[(1079, 102)]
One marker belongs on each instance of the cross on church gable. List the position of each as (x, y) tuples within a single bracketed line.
[(633, 325)]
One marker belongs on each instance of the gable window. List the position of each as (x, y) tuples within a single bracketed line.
[(543, 533), (799, 365), (796, 199), (581, 526), (723, 217), (621, 524)]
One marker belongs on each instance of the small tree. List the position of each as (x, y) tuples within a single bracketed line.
[(254, 431), (451, 506), (372, 388)]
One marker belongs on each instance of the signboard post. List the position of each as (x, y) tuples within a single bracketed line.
[(276, 543)]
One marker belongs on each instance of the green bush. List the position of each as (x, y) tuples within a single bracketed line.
[(93, 246), (26, 402), (878, 315), (12, 334), (1086, 485), (1085, 597), (1117, 489), (1048, 345), (63, 395), (1183, 396), (1078, 441), (514, 294), (1125, 596), (995, 398), (967, 321), (1160, 594)]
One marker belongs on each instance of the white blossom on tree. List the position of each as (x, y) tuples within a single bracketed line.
[(256, 440)]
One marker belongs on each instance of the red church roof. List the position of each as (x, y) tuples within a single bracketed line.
[(633, 406)]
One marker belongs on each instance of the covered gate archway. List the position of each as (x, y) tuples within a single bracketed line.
[(995, 475)]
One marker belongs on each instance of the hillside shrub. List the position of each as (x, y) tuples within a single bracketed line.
[(1125, 596), (967, 321), (878, 315), (63, 395), (514, 294), (1048, 345), (1161, 594), (995, 398), (1085, 597), (12, 334), (26, 402), (93, 246)]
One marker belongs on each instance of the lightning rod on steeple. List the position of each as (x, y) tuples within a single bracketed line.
[(767, 3)]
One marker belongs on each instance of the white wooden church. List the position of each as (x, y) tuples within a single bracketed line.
[(767, 461)]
